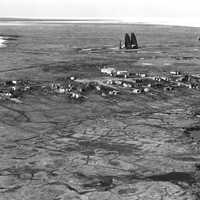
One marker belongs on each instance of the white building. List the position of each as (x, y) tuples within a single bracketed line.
[(136, 91), (61, 90), (127, 85), (175, 73), (110, 82), (118, 82), (123, 73), (143, 75), (146, 89), (110, 71)]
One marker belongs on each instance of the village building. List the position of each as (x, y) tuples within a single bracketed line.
[(72, 78), (164, 78), (146, 89), (113, 92), (109, 71), (110, 82), (61, 90), (124, 74), (103, 94), (118, 82), (10, 83), (179, 79), (143, 75), (98, 88), (75, 95), (127, 85), (149, 85), (189, 86), (175, 73), (136, 91)]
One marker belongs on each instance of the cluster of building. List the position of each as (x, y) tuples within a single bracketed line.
[(14, 90), (142, 82), (71, 90), (79, 89), (113, 83)]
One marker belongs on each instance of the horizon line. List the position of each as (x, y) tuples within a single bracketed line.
[(153, 21)]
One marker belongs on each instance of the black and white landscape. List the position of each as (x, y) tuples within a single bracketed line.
[(82, 119)]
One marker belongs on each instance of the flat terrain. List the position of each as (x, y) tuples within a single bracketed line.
[(129, 147)]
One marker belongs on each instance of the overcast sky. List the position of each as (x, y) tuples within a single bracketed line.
[(166, 11)]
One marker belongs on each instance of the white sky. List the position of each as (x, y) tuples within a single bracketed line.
[(158, 11)]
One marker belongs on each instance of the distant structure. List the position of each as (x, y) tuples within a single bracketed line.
[(134, 43), (129, 42), (109, 71)]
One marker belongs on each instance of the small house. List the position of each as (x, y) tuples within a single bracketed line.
[(143, 75), (189, 86), (146, 89), (118, 82), (124, 74), (98, 88), (109, 71), (109, 82), (61, 90), (175, 73), (180, 79), (11, 83), (136, 91), (72, 78), (149, 85), (75, 95), (164, 78), (113, 92), (7, 94), (127, 85)]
